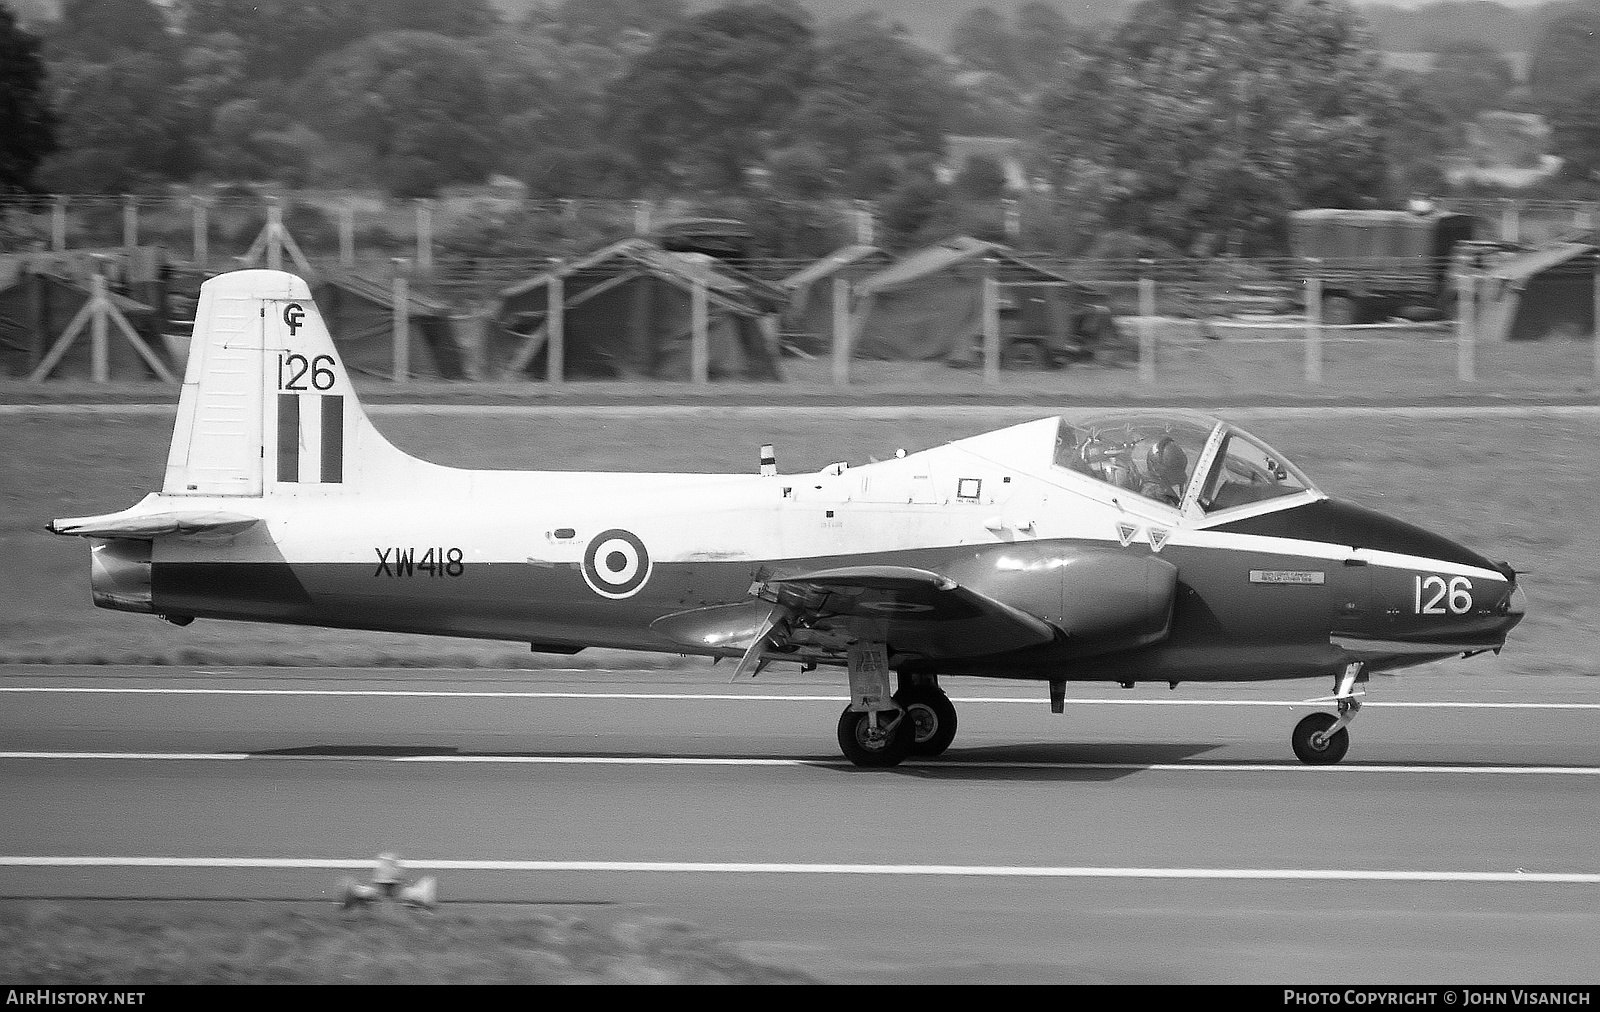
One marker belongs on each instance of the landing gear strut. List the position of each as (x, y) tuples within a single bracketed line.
[(1321, 739), (874, 730)]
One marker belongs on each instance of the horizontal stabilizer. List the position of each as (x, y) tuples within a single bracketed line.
[(178, 523)]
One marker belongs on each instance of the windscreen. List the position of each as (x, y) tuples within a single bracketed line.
[(1247, 471)]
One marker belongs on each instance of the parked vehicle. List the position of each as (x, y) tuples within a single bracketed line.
[(1378, 264)]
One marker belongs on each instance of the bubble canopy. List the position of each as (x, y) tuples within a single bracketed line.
[(1192, 463)]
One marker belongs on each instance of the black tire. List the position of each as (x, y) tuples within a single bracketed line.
[(858, 746), (1331, 750), (932, 716), (1025, 355)]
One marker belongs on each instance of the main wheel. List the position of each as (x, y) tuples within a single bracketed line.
[(932, 715), (1332, 748), (885, 746)]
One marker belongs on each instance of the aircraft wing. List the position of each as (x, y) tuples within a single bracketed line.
[(918, 611), (145, 526)]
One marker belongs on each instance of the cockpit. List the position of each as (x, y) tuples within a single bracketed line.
[(1197, 465)]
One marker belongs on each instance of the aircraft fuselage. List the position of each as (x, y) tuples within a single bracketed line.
[(1265, 600)]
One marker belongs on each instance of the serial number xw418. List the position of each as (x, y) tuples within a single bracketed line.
[(435, 562)]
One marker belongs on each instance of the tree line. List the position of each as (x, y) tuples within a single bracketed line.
[(1189, 127)]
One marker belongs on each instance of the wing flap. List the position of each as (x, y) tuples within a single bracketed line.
[(147, 526)]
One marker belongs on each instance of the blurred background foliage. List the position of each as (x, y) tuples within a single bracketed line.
[(1186, 126)]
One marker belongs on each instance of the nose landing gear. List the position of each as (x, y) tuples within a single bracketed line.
[(1321, 739), (1317, 743)]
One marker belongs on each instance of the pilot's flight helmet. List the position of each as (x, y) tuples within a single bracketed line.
[(1163, 460)]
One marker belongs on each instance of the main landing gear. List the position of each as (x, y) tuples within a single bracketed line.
[(932, 714), (1321, 739), (876, 737), (879, 730)]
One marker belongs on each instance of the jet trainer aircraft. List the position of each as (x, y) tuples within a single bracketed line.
[(1131, 548)]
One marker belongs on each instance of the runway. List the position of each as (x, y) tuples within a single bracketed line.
[(1145, 835)]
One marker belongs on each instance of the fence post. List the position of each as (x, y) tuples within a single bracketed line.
[(555, 321), (402, 324), (99, 363), (1313, 321), (1510, 220), (991, 323), (130, 220), (1147, 323), (58, 224), (1466, 327), (274, 235), (841, 332), (641, 217), (864, 223), (424, 234), (699, 339), (347, 234), (198, 230)]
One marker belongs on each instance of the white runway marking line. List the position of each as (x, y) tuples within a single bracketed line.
[(748, 697), (954, 764), (774, 868)]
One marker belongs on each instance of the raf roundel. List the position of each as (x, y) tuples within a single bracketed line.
[(616, 564)]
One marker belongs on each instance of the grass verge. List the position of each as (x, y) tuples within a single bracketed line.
[(45, 944), (1520, 489)]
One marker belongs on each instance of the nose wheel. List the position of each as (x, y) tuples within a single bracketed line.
[(1313, 743), (1321, 739)]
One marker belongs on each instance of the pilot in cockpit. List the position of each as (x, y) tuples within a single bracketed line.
[(1153, 466), (1163, 468)]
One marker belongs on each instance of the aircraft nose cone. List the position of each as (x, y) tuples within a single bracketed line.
[(1511, 609)]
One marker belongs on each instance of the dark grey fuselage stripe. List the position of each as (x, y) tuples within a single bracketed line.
[(1223, 625), (288, 437), (332, 439)]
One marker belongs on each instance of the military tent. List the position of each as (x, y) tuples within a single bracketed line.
[(929, 306), (808, 321), (723, 238), (360, 315), (627, 313), (137, 272), (37, 305), (1545, 292)]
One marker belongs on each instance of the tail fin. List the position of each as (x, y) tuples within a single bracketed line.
[(267, 407)]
